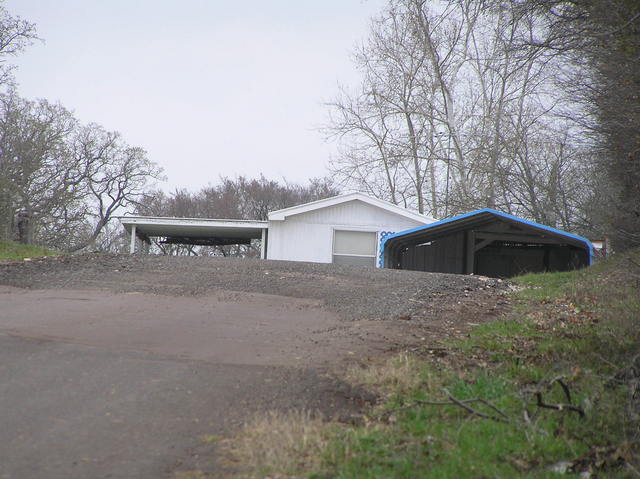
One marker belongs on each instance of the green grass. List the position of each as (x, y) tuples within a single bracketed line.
[(574, 332), (446, 442), (545, 287), (500, 337), (579, 326), (11, 250)]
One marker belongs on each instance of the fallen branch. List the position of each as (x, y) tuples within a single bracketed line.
[(469, 409), (463, 403), (565, 388), (558, 407)]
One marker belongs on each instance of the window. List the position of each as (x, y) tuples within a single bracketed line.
[(355, 247)]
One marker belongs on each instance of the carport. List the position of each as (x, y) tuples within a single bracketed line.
[(195, 231), (486, 242)]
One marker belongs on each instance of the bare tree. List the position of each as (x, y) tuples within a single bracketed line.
[(599, 41), (455, 113), (15, 35), (64, 181), (37, 177), (114, 176)]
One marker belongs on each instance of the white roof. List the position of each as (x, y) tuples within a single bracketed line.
[(281, 215), (193, 227)]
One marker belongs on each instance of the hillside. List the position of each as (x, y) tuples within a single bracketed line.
[(551, 388)]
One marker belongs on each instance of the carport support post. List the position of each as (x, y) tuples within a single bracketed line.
[(132, 246), (263, 244)]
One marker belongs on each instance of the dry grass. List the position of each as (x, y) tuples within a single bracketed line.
[(398, 373), (280, 444)]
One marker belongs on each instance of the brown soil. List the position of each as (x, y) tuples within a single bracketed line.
[(241, 311)]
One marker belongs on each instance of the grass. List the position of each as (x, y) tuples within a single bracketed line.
[(11, 250), (280, 444), (545, 287), (399, 373), (573, 339), (444, 441)]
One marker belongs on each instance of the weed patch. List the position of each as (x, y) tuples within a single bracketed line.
[(400, 373), (280, 444), (11, 250)]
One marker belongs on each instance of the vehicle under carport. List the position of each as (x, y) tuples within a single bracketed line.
[(486, 242)]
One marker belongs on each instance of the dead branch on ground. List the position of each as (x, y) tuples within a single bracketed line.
[(463, 403), (558, 407), (502, 418), (568, 406)]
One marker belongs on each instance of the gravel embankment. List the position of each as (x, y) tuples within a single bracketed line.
[(352, 292)]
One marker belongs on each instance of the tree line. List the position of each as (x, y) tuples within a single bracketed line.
[(61, 181), (598, 41), (529, 107)]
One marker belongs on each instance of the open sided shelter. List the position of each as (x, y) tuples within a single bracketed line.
[(486, 242), (344, 229), (194, 231)]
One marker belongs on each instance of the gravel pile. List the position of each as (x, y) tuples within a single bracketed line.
[(352, 292)]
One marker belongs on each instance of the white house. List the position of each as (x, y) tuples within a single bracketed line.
[(345, 229)]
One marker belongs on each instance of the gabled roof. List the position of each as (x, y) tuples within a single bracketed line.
[(281, 215), (469, 220)]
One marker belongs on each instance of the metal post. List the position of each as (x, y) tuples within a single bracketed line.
[(132, 246), (263, 244)]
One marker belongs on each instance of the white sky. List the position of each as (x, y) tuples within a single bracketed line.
[(207, 87)]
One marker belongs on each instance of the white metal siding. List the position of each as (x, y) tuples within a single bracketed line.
[(309, 236)]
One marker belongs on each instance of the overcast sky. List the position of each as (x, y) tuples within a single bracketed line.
[(207, 87)]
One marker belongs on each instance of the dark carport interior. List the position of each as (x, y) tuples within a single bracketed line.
[(489, 243)]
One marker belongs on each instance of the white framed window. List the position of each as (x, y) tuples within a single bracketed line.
[(358, 248)]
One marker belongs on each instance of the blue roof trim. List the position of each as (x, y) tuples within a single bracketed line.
[(582, 239)]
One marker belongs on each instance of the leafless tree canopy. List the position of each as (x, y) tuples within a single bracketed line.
[(15, 35), (240, 198), (466, 104), (62, 182), (598, 41)]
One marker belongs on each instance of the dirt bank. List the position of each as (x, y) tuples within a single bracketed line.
[(350, 292)]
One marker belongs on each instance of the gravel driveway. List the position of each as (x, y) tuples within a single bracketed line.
[(351, 292), (115, 366)]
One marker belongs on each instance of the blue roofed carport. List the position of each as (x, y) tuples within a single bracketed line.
[(486, 242)]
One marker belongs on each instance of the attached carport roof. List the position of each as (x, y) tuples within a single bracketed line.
[(193, 227), (475, 219)]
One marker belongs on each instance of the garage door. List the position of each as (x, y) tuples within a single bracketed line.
[(355, 247)]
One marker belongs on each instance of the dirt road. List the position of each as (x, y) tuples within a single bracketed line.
[(116, 366)]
